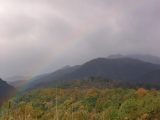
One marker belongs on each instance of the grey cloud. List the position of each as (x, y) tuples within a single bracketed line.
[(47, 34)]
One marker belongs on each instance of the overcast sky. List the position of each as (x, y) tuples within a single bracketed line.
[(42, 35)]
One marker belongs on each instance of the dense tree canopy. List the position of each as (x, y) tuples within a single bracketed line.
[(84, 104)]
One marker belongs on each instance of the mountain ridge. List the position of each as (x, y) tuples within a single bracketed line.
[(125, 69), (143, 57), (6, 91)]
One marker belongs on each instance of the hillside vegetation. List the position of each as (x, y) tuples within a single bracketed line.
[(84, 104)]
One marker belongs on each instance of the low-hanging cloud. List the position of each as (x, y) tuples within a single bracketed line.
[(42, 35)]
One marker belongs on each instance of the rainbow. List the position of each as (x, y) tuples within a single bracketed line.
[(71, 41)]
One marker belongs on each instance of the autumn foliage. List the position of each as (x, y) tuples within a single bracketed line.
[(141, 91), (84, 104)]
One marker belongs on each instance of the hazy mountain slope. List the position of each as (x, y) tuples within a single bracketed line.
[(47, 78), (17, 78), (114, 69), (19, 83), (146, 58), (151, 77), (143, 57), (6, 91), (120, 69)]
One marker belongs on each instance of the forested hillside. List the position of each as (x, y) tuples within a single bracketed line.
[(84, 104), (87, 99)]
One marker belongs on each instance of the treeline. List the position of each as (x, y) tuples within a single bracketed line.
[(98, 82)]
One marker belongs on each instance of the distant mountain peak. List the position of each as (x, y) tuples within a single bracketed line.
[(114, 56), (143, 57), (17, 78), (65, 67)]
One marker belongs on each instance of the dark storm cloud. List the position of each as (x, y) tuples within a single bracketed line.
[(42, 35)]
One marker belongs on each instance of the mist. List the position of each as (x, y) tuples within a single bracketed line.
[(40, 36)]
